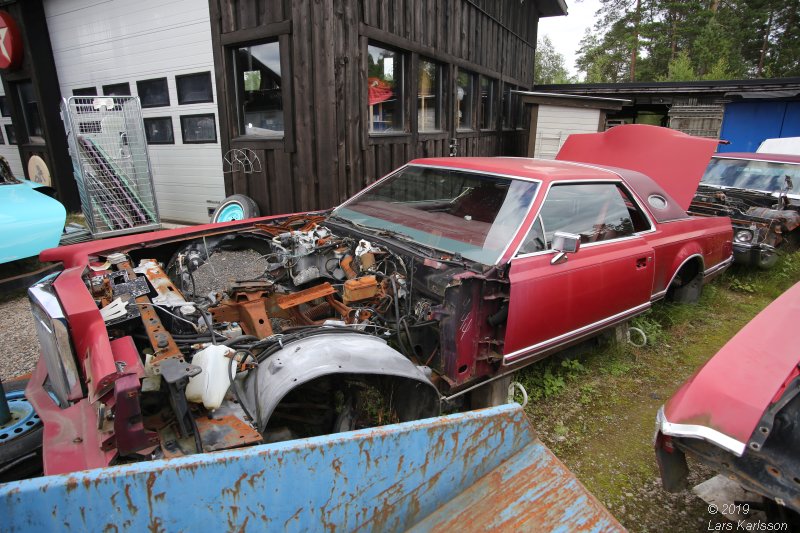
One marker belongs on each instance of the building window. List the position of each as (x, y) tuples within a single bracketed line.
[(385, 94), (30, 111), (465, 98), (153, 93), (158, 130), (11, 134), (117, 89), (259, 100), (488, 87), (2, 139), (4, 110), (85, 91), (429, 96), (194, 88), (507, 106), (197, 129)]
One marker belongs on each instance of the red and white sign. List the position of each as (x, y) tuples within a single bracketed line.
[(10, 43)]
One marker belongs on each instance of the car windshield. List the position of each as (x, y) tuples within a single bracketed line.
[(456, 211), (757, 175)]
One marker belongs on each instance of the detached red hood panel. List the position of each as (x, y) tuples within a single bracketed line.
[(734, 388), (674, 160)]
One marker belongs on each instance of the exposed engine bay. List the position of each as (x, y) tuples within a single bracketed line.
[(768, 218), (291, 329)]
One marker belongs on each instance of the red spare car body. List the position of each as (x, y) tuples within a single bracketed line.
[(432, 283), (739, 412)]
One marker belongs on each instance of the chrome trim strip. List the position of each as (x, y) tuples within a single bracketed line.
[(564, 337), (719, 266), (694, 431)]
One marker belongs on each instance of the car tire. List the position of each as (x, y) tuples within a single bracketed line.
[(688, 293), (21, 455), (235, 207)]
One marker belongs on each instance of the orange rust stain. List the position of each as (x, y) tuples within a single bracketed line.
[(295, 516), (234, 492), (72, 484), (131, 507), (252, 479)]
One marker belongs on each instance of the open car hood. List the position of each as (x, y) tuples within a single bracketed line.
[(731, 392), (673, 159)]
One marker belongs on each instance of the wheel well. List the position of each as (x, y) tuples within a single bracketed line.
[(687, 272)]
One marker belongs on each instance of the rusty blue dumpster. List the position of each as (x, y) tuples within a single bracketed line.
[(477, 471)]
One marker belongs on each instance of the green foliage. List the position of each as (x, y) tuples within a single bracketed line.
[(740, 285), (549, 66), (679, 40), (679, 69), (550, 377), (652, 328)]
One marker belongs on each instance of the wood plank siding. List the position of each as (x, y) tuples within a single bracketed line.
[(327, 153)]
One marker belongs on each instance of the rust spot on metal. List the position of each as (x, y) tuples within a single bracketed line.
[(237, 486), (295, 516)]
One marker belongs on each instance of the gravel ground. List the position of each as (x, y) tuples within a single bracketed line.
[(19, 350)]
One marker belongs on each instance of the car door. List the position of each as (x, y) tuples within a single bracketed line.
[(610, 276)]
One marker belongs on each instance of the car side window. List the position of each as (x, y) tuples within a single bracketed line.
[(595, 211)]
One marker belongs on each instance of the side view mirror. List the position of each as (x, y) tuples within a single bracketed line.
[(564, 243)]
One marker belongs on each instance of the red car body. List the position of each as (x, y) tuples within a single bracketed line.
[(491, 319), (738, 413)]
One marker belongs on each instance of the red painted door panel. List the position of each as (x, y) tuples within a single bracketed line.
[(599, 281)]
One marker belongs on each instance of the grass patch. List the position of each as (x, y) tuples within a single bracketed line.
[(597, 411)]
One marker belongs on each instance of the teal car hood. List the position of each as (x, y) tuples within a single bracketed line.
[(30, 221)]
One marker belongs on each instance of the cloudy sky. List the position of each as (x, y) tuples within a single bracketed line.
[(566, 32)]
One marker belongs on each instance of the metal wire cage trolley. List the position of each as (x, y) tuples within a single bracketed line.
[(109, 158)]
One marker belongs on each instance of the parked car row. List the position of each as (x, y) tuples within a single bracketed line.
[(423, 292)]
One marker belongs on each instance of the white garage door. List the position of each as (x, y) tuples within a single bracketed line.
[(143, 47), (556, 123)]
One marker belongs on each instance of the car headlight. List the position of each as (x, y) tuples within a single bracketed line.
[(53, 333), (744, 235)]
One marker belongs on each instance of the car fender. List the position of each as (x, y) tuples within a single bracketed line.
[(688, 253), (307, 359)]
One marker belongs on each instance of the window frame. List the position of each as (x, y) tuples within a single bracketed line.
[(171, 127), (492, 121), (196, 75), (441, 81), (473, 81), (238, 92), (29, 136), (11, 134), (198, 115), (140, 83), (405, 105), (5, 111), (112, 86), (84, 91), (620, 183)]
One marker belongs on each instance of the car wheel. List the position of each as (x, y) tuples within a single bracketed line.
[(766, 260), (689, 292), (20, 437), (235, 207)]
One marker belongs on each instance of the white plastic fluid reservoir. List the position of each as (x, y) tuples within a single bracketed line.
[(210, 385)]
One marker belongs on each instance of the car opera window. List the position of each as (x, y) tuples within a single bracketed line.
[(488, 87), (465, 99), (197, 129), (158, 130), (458, 212), (30, 111), (385, 95), (595, 211), (429, 96), (194, 88), (153, 93), (259, 100)]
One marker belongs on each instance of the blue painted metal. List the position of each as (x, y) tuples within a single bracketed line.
[(747, 124), (23, 418), (231, 212), (486, 467), (29, 221)]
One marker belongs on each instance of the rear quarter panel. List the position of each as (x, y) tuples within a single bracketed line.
[(674, 242)]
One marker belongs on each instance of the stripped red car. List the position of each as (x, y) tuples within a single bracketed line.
[(427, 288), (739, 414)]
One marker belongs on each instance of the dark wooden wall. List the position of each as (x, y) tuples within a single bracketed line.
[(327, 153)]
